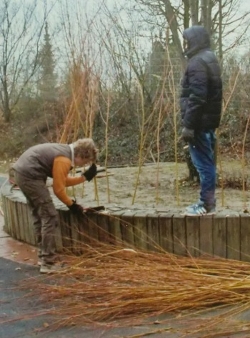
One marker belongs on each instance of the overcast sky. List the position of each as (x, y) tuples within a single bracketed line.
[(89, 8)]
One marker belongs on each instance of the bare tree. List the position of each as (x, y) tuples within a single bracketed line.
[(221, 18), (19, 46)]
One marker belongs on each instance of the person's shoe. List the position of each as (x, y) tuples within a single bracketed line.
[(56, 260), (199, 210), (192, 206), (51, 268)]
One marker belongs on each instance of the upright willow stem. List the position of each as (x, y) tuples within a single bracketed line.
[(225, 105), (141, 144), (106, 145), (176, 152), (172, 88), (96, 191), (243, 162), (219, 161)]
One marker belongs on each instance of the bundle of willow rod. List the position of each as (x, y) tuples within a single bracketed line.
[(115, 285)]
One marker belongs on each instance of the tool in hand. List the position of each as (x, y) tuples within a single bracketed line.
[(93, 209), (78, 209), (98, 171)]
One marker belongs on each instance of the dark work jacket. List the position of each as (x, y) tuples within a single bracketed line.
[(201, 95)]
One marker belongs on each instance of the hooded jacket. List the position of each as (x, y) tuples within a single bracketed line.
[(201, 94)]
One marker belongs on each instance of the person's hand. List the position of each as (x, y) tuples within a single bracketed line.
[(76, 208), (91, 172), (187, 135)]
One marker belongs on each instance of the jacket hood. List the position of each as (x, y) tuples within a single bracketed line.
[(197, 38)]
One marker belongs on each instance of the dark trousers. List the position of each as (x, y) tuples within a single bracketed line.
[(202, 155), (44, 215)]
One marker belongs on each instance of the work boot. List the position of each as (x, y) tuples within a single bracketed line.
[(52, 268), (45, 259)]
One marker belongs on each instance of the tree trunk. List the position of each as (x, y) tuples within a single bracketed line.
[(209, 24), (172, 21), (5, 97), (186, 13), (194, 11), (220, 33), (203, 7)]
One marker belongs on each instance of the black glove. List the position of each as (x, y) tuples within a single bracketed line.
[(91, 172), (76, 208), (187, 135)]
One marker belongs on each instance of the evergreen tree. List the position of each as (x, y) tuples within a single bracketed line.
[(163, 63), (47, 76)]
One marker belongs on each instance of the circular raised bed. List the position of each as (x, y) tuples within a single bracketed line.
[(224, 235)]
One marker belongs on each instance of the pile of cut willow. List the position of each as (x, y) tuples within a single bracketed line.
[(118, 286)]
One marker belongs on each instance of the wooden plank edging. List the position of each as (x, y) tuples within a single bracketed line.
[(226, 236)]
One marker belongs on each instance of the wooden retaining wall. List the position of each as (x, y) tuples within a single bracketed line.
[(220, 235)]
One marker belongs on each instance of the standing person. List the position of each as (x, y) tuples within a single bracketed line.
[(31, 171), (201, 105)]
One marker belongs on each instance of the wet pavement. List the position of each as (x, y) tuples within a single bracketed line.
[(15, 250)]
